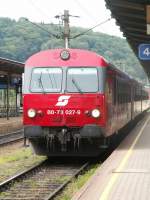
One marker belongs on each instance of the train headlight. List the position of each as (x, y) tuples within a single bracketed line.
[(31, 113), (95, 113)]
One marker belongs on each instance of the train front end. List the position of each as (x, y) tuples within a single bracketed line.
[(64, 102)]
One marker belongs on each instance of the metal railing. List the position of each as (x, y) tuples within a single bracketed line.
[(12, 111)]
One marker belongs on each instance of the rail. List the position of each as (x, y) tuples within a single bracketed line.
[(11, 137), (43, 181)]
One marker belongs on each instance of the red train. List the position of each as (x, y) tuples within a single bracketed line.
[(74, 101)]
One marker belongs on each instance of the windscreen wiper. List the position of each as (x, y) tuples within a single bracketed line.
[(77, 85), (41, 83), (49, 75)]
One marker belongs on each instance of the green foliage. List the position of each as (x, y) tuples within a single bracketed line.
[(77, 183), (20, 39)]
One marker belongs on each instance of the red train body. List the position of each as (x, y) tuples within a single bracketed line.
[(74, 101)]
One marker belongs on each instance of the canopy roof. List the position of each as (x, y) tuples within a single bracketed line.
[(133, 17), (11, 66)]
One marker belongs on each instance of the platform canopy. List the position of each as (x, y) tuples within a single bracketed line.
[(133, 17), (10, 79), (11, 67)]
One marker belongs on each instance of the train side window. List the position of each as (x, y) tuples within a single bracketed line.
[(123, 91)]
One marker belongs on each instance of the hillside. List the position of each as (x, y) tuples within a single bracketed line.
[(20, 39)]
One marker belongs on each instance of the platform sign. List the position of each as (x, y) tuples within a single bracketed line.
[(144, 51)]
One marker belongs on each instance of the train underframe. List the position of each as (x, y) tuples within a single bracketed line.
[(88, 141)]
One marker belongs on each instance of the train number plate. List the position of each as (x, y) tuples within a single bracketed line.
[(62, 112)]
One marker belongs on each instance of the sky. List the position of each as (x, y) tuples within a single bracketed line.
[(90, 12)]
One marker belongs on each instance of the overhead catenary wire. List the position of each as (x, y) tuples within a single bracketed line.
[(41, 11), (60, 37), (83, 33), (40, 27), (85, 10)]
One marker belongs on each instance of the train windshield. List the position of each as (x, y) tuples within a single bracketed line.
[(82, 79), (46, 80)]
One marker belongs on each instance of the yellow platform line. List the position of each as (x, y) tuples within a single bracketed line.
[(113, 179)]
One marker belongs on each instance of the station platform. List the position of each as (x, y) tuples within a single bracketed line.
[(8, 126), (125, 175)]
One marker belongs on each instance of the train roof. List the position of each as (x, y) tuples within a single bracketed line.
[(125, 75), (77, 57)]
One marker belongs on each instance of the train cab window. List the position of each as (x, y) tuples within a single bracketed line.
[(46, 80), (82, 80)]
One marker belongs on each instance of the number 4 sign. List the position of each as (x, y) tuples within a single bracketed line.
[(144, 51)]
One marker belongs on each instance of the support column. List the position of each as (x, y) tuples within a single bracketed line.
[(16, 91), (7, 93)]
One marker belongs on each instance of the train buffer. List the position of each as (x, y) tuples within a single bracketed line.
[(125, 175)]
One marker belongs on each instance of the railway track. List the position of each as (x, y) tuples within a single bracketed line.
[(11, 137), (42, 182)]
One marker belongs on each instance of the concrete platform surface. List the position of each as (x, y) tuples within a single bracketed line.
[(125, 175)]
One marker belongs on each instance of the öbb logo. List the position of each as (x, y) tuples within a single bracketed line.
[(62, 100)]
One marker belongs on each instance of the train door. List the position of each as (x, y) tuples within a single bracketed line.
[(110, 93)]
